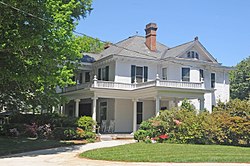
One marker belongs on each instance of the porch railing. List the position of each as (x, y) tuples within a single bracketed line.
[(77, 87), (132, 86)]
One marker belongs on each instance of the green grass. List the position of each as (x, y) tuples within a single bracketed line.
[(142, 152), (17, 145)]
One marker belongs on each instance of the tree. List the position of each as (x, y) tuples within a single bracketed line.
[(38, 50), (240, 80)]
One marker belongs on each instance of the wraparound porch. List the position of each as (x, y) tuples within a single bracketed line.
[(128, 107)]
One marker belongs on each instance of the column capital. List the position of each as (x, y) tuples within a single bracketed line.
[(135, 100), (94, 98), (157, 97), (77, 100)]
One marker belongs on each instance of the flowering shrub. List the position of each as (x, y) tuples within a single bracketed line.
[(31, 130), (229, 124)]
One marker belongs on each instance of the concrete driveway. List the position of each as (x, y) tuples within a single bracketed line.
[(69, 156)]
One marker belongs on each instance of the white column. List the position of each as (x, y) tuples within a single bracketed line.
[(77, 107), (157, 106), (201, 103), (94, 99), (134, 115)]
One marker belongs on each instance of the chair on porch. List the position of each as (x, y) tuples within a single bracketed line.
[(104, 126), (111, 128)]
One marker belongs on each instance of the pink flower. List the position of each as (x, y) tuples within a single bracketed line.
[(177, 122)]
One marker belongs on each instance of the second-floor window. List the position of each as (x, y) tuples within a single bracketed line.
[(201, 75), (185, 74), (103, 73), (164, 74), (212, 80), (139, 73)]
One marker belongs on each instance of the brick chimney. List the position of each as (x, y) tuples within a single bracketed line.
[(151, 36)]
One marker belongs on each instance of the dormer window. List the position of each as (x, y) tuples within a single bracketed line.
[(193, 54)]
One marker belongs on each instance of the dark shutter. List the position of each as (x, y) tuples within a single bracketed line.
[(99, 73), (107, 73), (145, 73), (132, 73)]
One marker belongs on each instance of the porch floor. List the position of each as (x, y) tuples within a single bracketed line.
[(115, 136)]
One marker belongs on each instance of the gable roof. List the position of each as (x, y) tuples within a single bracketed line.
[(177, 50), (134, 47)]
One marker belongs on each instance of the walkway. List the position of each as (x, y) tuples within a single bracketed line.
[(68, 156)]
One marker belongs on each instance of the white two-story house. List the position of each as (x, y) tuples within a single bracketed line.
[(134, 79)]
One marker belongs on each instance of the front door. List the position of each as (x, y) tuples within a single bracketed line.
[(103, 111)]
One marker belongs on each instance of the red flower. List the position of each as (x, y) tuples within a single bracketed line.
[(163, 136)]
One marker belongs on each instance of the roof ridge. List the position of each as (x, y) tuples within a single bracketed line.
[(180, 45)]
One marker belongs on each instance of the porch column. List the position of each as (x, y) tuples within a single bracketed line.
[(134, 115), (201, 103), (157, 106), (94, 99), (77, 107)]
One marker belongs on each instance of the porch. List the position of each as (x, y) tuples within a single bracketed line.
[(128, 104)]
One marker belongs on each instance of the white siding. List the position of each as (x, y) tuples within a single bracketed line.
[(123, 70), (148, 109), (123, 115)]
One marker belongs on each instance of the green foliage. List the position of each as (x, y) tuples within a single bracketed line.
[(229, 124), (90, 45), (187, 105), (70, 134), (38, 53), (86, 123), (240, 80), (55, 120), (235, 107)]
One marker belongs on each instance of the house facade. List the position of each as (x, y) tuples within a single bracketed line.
[(134, 79)]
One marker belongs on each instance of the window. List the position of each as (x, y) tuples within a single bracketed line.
[(212, 80), (139, 73), (192, 54), (201, 75), (103, 111), (185, 74), (164, 74), (103, 73), (139, 112), (87, 77)]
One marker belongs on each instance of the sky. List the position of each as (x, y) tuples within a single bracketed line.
[(223, 26)]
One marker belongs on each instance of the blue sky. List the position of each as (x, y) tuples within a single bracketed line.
[(223, 26)]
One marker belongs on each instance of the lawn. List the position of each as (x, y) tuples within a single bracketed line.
[(18, 145), (142, 152)]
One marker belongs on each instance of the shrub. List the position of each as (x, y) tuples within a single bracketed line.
[(141, 135), (70, 134), (31, 130), (86, 123), (227, 126), (13, 129), (90, 135)]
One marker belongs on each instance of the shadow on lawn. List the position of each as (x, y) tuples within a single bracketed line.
[(45, 151)]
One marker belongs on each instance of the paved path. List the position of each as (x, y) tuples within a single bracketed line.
[(68, 156)]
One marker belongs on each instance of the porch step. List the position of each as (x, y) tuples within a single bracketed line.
[(109, 137)]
